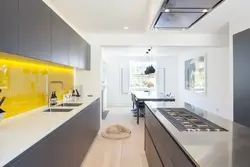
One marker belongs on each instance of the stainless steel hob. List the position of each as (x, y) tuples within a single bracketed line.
[(185, 120)]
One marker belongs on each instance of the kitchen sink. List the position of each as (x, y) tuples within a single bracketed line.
[(70, 104), (58, 110)]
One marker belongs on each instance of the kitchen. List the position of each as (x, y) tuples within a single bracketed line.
[(43, 45)]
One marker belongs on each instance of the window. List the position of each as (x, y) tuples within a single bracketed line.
[(140, 81)]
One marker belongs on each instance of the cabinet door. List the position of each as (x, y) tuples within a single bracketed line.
[(241, 84), (151, 153), (34, 29), (8, 28), (85, 57), (60, 40), (88, 58), (95, 114), (75, 49)]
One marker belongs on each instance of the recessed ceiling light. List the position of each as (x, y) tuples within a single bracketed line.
[(125, 28), (184, 29), (205, 10), (167, 10)]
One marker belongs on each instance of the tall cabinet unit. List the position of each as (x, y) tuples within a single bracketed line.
[(34, 27), (9, 26), (241, 59)]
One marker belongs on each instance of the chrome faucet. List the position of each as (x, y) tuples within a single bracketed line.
[(53, 82)]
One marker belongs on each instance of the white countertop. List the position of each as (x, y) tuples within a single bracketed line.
[(19, 133), (211, 149)]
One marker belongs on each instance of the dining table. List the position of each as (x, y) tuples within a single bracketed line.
[(143, 96)]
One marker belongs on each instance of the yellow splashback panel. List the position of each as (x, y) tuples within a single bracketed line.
[(24, 82)]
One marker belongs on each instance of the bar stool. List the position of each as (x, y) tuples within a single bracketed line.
[(139, 105)]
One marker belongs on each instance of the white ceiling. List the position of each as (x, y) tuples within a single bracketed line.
[(141, 51), (110, 16)]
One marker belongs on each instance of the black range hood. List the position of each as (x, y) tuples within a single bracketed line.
[(183, 13)]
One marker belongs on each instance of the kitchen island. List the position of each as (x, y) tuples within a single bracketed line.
[(51, 139), (166, 146)]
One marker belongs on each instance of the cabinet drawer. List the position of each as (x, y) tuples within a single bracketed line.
[(170, 152)]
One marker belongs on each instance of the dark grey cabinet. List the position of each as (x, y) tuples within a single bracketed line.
[(170, 153), (241, 64), (60, 40), (67, 145), (34, 29), (85, 58), (9, 26), (79, 52), (151, 152), (75, 50), (30, 28)]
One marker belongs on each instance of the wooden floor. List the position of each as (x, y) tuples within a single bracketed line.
[(118, 153)]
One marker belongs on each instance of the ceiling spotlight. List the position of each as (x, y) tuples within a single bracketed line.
[(167, 10), (205, 10), (184, 29), (125, 28)]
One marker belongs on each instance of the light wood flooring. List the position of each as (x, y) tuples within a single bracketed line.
[(118, 153)]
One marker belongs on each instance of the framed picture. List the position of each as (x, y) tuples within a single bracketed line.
[(195, 74)]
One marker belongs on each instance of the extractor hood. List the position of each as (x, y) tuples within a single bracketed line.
[(183, 14)]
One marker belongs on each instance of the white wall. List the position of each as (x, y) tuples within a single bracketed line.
[(90, 80), (160, 39), (217, 97), (115, 97)]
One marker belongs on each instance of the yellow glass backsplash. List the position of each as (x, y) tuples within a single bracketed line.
[(24, 82)]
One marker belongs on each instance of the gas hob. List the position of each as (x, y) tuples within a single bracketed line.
[(185, 120)]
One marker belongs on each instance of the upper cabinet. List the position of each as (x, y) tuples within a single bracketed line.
[(30, 28), (75, 49), (8, 28), (86, 55), (79, 52), (60, 40), (34, 38)]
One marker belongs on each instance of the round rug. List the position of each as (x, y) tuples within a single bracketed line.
[(116, 132)]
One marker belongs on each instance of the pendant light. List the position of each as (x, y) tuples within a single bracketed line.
[(150, 69), (147, 70)]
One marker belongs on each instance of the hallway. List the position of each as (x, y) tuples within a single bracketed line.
[(118, 153)]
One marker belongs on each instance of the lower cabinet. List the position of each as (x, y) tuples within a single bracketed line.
[(67, 145), (170, 153), (151, 153)]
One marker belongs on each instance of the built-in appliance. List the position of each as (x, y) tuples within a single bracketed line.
[(185, 120), (182, 14)]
